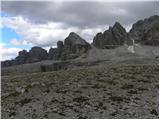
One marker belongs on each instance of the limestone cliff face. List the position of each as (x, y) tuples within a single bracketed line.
[(74, 46), (146, 31), (111, 38), (55, 53), (38, 54)]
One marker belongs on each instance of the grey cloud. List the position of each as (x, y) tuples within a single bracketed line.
[(82, 14)]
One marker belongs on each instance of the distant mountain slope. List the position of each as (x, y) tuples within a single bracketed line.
[(143, 32), (113, 37), (146, 31)]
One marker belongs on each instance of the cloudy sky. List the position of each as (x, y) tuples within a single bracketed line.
[(39, 23)]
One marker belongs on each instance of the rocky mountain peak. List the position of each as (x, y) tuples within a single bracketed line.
[(60, 44), (73, 34), (118, 26), (146, 32), (74, 39), (111, 38), (74, 46), (38, 53)]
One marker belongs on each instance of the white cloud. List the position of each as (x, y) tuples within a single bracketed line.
[(8, 53), (89, 33), (118, 11), (36, 34), (18, 42), (128, 27), (44, 35)]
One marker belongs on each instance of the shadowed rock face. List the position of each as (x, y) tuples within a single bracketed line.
[(111, 38), (60, 44), (23, 54), (38, 54), (51, 53), (22, 57), (146, 31), (34, 55), (6, 63), (74, 46), (55, 53)]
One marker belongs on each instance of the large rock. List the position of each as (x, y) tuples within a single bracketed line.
[(76, 45), (60, 44), (23, 54), (146, 31), (51, 53), (22, 57), (38, 54), (113, 37), (55, 53)]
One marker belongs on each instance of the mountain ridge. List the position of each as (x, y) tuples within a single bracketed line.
[(145, 32)]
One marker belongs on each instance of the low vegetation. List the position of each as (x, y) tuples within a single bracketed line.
[(111, 91)]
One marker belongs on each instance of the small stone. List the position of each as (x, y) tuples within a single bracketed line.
[(35, 83)]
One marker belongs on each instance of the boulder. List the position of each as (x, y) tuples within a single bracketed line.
[(146, 32), (113, 37)]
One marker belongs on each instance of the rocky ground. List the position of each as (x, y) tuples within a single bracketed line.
[(111, 91)]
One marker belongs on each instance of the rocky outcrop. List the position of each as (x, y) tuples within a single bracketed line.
[(23, 57), (51, 53), (111, 38), (146, 31), (60, 45), (38, 54), (55, 53), (23, 54), (74, 46), (6, 63)]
